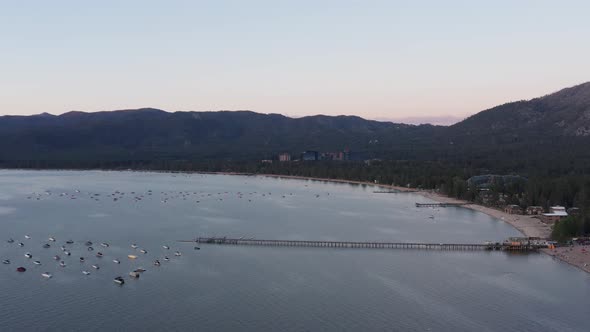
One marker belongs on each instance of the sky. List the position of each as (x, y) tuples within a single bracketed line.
[(388, 60)]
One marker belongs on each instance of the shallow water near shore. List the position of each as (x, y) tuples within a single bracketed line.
[(222, 288)]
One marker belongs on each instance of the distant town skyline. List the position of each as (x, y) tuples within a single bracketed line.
[(419, 62)]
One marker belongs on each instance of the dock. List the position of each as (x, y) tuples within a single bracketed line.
[(439, 204), (501, 246)]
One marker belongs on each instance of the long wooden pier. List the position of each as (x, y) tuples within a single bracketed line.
[(364, 245), (438, 204)]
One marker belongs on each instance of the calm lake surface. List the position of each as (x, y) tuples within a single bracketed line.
[(224, 288)]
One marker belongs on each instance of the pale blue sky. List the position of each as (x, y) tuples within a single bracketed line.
[(376, 59)]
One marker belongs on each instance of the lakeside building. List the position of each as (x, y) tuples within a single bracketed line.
[(284, 157), (310, 156), (534, 210), (513, 209), (556, 213)]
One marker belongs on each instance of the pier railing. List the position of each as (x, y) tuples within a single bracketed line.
[(365, 245)]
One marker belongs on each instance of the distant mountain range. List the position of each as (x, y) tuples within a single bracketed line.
[(549, 127)]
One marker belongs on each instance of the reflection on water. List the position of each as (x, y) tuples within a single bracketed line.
[(249, 288)]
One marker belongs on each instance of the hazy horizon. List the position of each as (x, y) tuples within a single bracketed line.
[(418, 62)]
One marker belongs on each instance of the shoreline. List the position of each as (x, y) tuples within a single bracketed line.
[(527, 225)]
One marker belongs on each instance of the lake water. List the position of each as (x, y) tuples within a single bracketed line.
[(225, 288)]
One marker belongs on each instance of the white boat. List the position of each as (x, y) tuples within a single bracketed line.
[(116, 261), (37, 263), (52, 239), (86, 272), (21, 244), (104, 244), (134, 274), (67, 253), (134, 246), (62, 264), (177, 253), (56, 257), (166, 258), (27, 237), (119, 280), (96, 266), (166, 247), (28, 255), (46, 275), (143, 251), (6, 261), (81, 259)]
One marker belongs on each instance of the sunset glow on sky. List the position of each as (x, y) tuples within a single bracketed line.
[(375, 59)]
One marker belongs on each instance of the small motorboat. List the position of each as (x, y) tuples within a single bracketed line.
[(20, 244), (28, 255), (166, 247), (134, 246), (131, 256), (63, 248), (56, 257), (10, 240), (86, 272), (104, 244), (157, 263), (95, 266), (197, 248), (177, 254), (37, 263), (88, 243), (20, 269), (6, 261), (116, 261), (90, 248), (139, 270), (81, 259), (134, 274), (119, 280), (166, 258), (99, 254), (67, 253), (70, 242), (46, 245), (62, 264), (27, 237), (143, 251), (46, 275), (52, 239)]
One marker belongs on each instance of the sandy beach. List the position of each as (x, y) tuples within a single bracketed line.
[(578, 256)]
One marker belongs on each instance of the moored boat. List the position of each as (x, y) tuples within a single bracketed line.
[(134, 274), (86, 272), (6, 261), (20, 269), (46, 275), (119, 280), (95, 266), (116, 261), (37, 263), (62, 264), (28, 255), (131, 256)]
